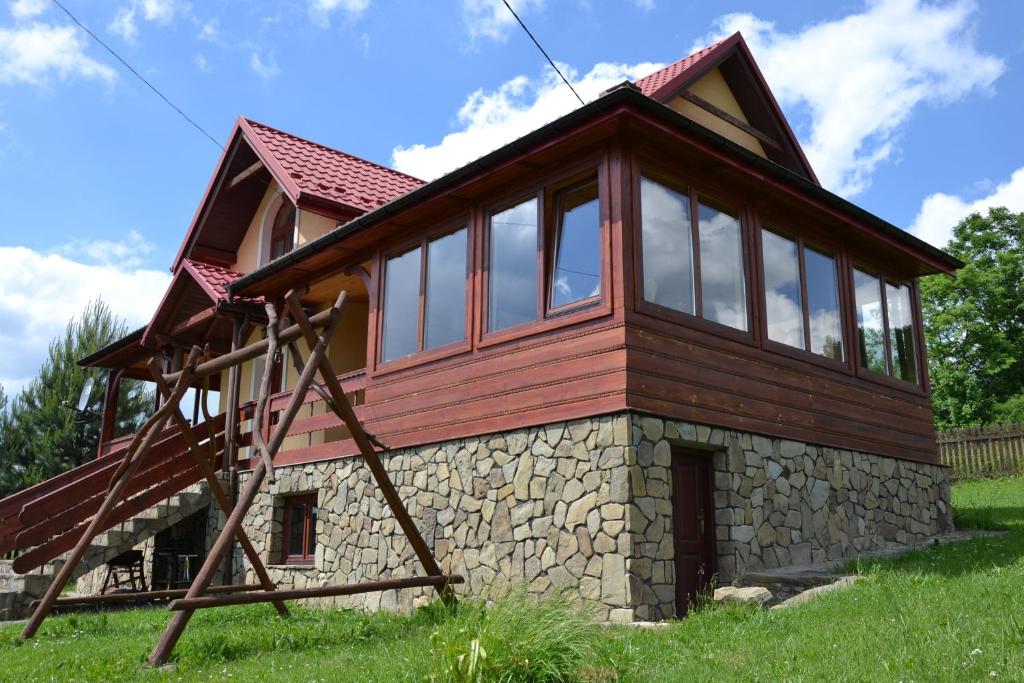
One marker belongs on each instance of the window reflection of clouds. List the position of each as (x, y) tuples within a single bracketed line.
[(512, 298), (823, 304), (445, 315), (578, 251), (723, 286), (667, 247), (868, 294), (901, 332), (401, 306), (782, 290)]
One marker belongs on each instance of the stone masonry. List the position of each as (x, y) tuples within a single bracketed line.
[(586, 505)]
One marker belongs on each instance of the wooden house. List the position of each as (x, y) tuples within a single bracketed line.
[(633, 350)]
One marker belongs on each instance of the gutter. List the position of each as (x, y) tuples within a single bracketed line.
[(623, 94)]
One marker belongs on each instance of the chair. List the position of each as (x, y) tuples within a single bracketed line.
[(126, 571)]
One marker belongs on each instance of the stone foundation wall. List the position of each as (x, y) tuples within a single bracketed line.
[(586, 505)]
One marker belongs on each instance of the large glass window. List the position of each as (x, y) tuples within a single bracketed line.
[(667, 246), (722, 282), (670, 260), (437, 269), (902, 354), (813, 324), (512, 278), (401, 305), (577, 272), (870, 321), (783, 300)]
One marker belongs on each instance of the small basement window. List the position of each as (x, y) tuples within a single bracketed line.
[(299, 534)]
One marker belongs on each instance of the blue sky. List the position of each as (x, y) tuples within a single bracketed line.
[(910, 109)]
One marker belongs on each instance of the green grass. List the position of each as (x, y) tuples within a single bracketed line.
[(948, 613)]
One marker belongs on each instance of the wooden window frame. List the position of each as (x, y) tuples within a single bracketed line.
[(744, 215), (546, 192), (422, 355), (777, 347), (919, 386), (277, 233), (307, 556)]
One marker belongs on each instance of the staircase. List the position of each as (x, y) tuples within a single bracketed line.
[(17, 591)]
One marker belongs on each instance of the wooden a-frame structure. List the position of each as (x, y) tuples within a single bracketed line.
[(171, 387)]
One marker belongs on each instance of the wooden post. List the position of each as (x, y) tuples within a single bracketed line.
[(230, 466), (132, 459), (109, 409), (172, 634), (355, 427), (216, 489)]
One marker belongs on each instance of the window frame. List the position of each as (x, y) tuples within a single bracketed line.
[(694, 193), (422, 355), (307, 556), (845, 304), (285, 230), (921, 385), (546, 191)]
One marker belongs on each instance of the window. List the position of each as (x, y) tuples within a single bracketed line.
[(812, 325), (282, 236), (885, 327), (516, 257), (577, 273), (512, 278), (299, 533), (425, 296), (708, 281)]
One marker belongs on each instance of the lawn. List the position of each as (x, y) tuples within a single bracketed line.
[(952, 612)]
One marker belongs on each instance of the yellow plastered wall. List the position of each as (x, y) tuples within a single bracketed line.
[(248, 254), (713, 88), (313, 225)]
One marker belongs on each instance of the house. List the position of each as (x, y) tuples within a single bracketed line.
[(636, 349)]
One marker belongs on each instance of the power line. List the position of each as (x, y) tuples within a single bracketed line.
[(137, 74), (542, 51)]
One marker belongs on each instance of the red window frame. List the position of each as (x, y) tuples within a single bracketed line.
[(306, 553)]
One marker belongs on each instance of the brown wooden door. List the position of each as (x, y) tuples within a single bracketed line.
[(693, 524)]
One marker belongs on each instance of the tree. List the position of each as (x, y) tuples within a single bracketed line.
[(42, 434), (974, 324)]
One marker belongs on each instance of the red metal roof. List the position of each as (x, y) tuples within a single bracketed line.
[(214, 280), (330, 174), (652, 84)]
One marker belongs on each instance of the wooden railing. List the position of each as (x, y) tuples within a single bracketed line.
[(983, 451)]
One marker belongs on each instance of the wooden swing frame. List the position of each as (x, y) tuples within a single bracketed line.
[(171, 387)]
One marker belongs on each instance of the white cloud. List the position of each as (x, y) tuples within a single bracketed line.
[(491, 19), (645, 5), (210, 31), (124, 254), (123, 24), (321, 10), (202, 64), (31, 54), (491, 119), (39, 293), (940, 212), (27, 9), (160, 12), (861, 77), (265, 70)]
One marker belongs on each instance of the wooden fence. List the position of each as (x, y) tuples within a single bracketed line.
[(983, 451)]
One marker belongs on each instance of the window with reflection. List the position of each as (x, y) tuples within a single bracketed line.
[(667, 246), (870, 321), (902, 353), (427, 282), (512, 274), (812, 325), (576, 275), (282, 235), (722, 280)]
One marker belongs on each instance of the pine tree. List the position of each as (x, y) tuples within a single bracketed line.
[(43, 434)]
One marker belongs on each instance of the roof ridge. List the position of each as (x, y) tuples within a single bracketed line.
[(334, 150)]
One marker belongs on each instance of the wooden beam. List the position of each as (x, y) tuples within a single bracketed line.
[(244, 175), (441, 582), (169, 594), (730, 119), (218, 257), (193, 320)]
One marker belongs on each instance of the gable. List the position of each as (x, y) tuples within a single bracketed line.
[(721, 88), (713, 90)]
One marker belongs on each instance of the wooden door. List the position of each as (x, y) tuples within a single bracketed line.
[(693, 524)]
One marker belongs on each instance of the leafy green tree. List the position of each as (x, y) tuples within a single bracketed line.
[(43, 434), (974, 324)]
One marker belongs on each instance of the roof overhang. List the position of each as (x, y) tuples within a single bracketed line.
[(626, 101)]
